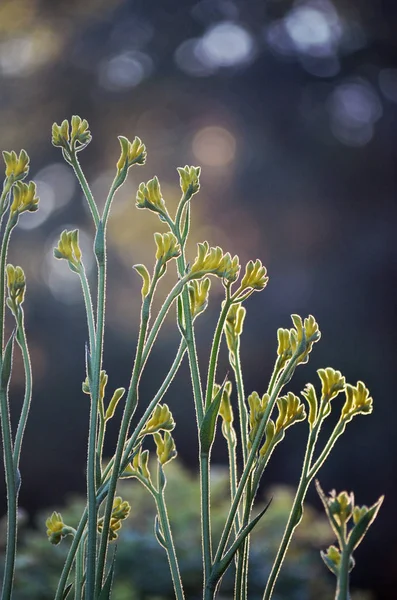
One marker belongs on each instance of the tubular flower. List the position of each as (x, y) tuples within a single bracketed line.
[(24, 198), (132, 153), (255, 278), (16, 283), (79, 138), (167, 247), (56, 529), (17, 167), (149, 196), (213, 261), (189, 179), (198, 295), (68, 248), (161, 420)]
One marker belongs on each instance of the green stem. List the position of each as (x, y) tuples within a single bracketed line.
[(86, 188), (79, 571), (131, 403), (294, 516), (342, 590), (215, 349), (21, 339), (12, 497), (337, 432), (3, 259), (243, 413), (205, 514), (284, 378), (92, 439), (102, 492), (170, 548), (88, 308)]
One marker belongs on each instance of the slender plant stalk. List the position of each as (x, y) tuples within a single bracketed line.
[(12, 497), (21, 339), (131, 402), (86, 189), (294, 516), (92, 439), (10, 473), (253, 453), (3, 259), (170, 548), (88, 308), (342, 590), (79, 571), (103, 490)]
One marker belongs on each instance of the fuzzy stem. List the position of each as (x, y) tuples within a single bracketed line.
[(170, 548), (21, 339)]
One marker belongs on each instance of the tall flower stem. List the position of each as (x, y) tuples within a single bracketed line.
[(170, 548)]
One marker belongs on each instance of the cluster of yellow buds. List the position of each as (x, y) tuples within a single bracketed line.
[(138, 467), (340, 509), (290, 339), (189, 179), (257, 407), (118, 394), (131, 153), (161, 420), (291, 410), (198, 295), (120, 511), (79, 137), (332, 382), (56, 529), (234, 328), (24, 198), (167, 247), (358, 401), (149, 196), (165, 446), (213, 261), (254, 279), (68, 248), (17, 167), (16, 284)]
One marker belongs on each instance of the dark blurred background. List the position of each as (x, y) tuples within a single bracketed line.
[(290, 108)]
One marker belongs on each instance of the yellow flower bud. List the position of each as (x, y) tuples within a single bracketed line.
[(131, 153), (160, 420), (24, 198), (149, 196), (167, 247), (213, 261), (16, 284), (166, 450), (254, 277), (68, 248), (358, 401), (198, 295), (189, 179), (17, 167), (56, 529), (234, 326), (332, 382)]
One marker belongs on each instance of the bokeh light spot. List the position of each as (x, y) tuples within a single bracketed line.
[(214, 146), (125, 70), (314, 28), (225, 45), (354, 107)]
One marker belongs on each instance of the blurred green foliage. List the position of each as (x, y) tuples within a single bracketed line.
[(142, 571)]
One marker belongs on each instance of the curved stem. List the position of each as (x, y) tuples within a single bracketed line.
[(3, 259), (88, 308), (86, 188), (170, 548), (21, 339), (92, 439), (215, 350), (294, 516), (284, 378), (243, 413), (12, 497)]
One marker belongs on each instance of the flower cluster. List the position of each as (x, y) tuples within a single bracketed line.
[(189, 179), (212, 261), (17, 167), (68, 248), (120, 511)]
